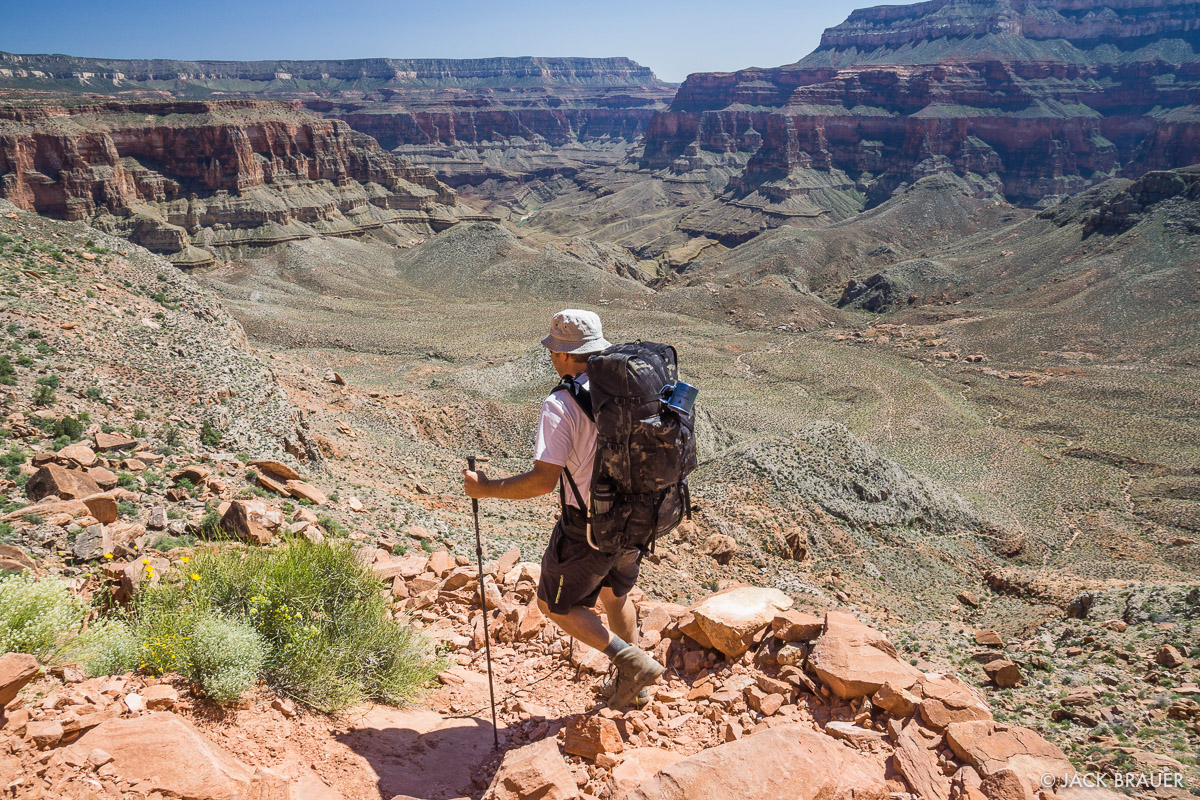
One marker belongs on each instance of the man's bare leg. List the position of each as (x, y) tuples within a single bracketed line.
[(582, 623), (622, 616)]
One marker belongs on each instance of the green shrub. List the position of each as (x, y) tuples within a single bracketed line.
[(94, 393), (43, 395), (330, 639), (225, 657), (49, 380), (110, 648), (70, 427), (7, 372), (126, 480), (6, 533), (60, 442), (209, 436), (37, 616)]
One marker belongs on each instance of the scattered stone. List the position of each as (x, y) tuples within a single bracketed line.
[(988, 638), (284, 706), (272, 485), (195, 474), (65, 484), (241, 521), (16, 670), (855, 661), (721, 547), (276, 469), (641, 763), (731, 618), (103, 507), (160, 697), (791, 762), (856, 736), (1168, 656), (796, 626), (535, 770), (895, 701), (969, 599), (19, 559), (1006, 784), (1004, 673), (80, 455), (590, 736), (306, 491), (94, 542), (946, 699), (113, 441), (157, 519), (44, 734), (135, 703)]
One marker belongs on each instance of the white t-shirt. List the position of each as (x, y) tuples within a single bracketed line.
[(568, 438)]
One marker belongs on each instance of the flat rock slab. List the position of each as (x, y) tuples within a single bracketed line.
[(990, 747), (855, 661), (421, 753), (730, 619)]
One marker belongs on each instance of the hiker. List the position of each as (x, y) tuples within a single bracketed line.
[(574, 573)]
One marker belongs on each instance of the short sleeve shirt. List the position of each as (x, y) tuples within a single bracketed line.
[(567, 437)]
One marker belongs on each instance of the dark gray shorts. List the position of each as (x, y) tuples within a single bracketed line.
[(573, 573)]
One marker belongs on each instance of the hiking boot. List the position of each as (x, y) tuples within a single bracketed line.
[(636, 670), (609, 686)]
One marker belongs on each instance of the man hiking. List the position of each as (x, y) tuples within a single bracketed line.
[(574, 573)]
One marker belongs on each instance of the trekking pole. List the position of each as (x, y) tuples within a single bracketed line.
[(487, 643)]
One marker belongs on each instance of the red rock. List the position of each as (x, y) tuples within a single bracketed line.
[(1006, 784), (916, 761), (407, 567), (272, 485), (79, 455), (306, 491), (1168, 656), (895, 701), (796, 626), (533, 771), (240, 521), (639, 764), (855, 661), (988, 638), (66, 484), (16, 670), (946, 699), (18, 556), (762, 702), (1004, 673), (441, 563), (276, 469), (103, 507), (196, 474), (168, 750), (506, 562), (104, 478), (113, 441), (160, 697), (990, 747), (968, 598), (789, 762), (591, 736), (44, 734), (730, 619)]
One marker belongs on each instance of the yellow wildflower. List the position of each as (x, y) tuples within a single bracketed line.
[(195, 577)]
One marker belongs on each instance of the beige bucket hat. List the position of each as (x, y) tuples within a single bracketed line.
[(575, 330)]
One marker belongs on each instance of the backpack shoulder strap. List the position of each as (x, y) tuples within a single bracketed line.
[(583, 398)]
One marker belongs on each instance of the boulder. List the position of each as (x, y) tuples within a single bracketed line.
[(1168, 656), (17, 557), (1006, 784), (276, 469), (1004, 673), (855, 661), (917, 762), (168, 751), (946, 699), (589, 736), (796, 626), (78, 455), (789, 762), (535, 770), (272, 485), (113, 441), (92, 543), (106, 479), (160, 697), (991, 746), (103, 507), (988, 638), (639, 764), (241, 521), (66, 484), (306, 491), (895, 701), (44, 733), (156, 520), (732, 618), (16, 670)]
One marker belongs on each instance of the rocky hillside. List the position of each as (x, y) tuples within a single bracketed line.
[(198, 180), (1037, 99)]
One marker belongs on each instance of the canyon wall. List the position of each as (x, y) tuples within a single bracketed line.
[(1032, 99), (194, 179)]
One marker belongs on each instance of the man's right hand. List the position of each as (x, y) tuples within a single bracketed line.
[(474, 484)]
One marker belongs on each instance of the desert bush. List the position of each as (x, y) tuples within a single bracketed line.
[(209, 435), (225, 657), (38, 617), (330, 639)]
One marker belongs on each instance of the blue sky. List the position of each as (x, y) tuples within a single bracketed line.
[(672, 38)]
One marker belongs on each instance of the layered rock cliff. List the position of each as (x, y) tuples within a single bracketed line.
[(194, 179), (1032, 99), (470, 120)]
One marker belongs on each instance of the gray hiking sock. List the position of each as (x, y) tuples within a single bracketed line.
[(615, 646)]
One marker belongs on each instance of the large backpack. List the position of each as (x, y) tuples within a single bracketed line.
[(644, 448)]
